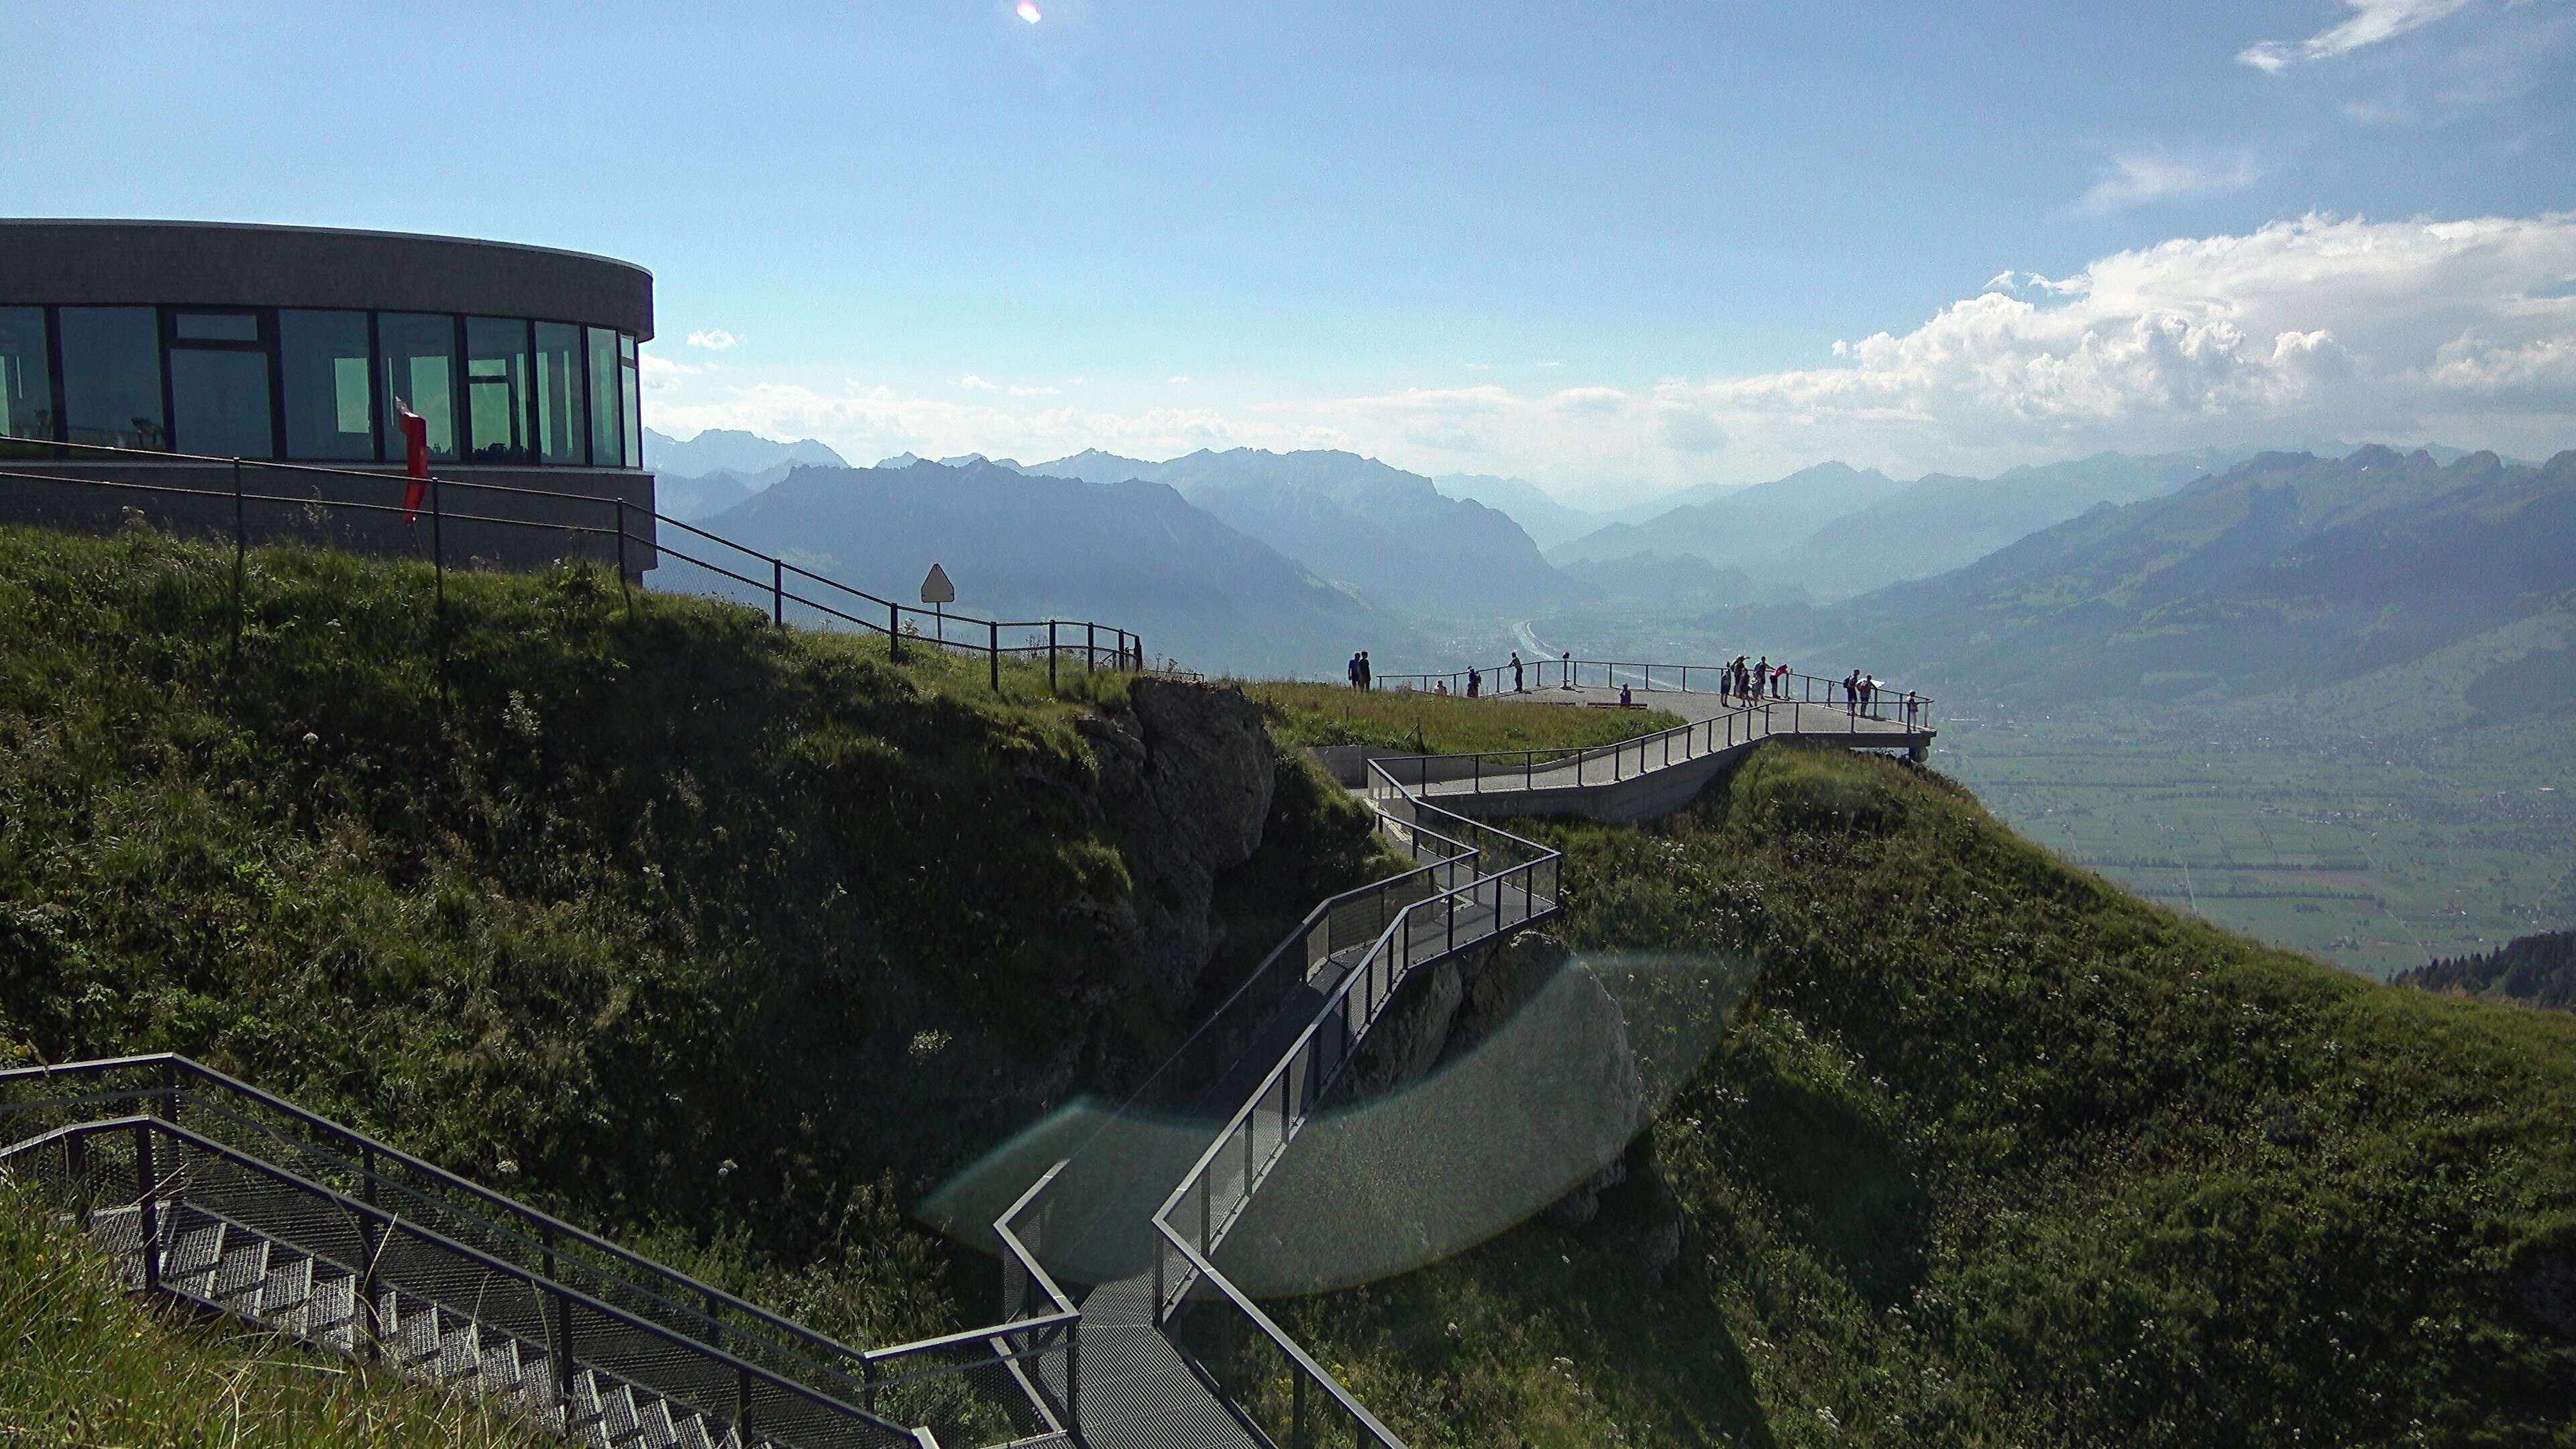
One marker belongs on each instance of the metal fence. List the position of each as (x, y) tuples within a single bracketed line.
[(975, 1387), (371, 513), (1511, 883), (1879, 702)]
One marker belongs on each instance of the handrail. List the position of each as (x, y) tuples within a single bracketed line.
[(1088, 640), (673, 1297), (560, 1292), (544, 1222), (1301, 1080), (1568, 673)]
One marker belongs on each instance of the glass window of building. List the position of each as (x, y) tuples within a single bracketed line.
[(420, 370), (112, 376), (607, 431), (496, 389), (563, 435), (626, 362), (330, 397), (26, 380), (219, 385)]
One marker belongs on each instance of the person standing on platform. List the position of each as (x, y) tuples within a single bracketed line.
[(1474, 678), (1517, 686), (1565, 671), (1368, 676), (1352, 669)]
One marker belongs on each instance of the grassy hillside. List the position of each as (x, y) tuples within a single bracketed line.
[(1995, 1154), (1306, 714), (84, 1362), (720, 938)]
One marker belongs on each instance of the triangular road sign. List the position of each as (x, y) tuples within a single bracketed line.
[(936, 589)]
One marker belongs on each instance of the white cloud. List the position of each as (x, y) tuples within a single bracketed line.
[(658, 372), (2461, 331), (1037, 392), (2372, 22), (1480, 367), (1183, 380), (977, 384), (1549, 364), (713, 339), (2135, 180)]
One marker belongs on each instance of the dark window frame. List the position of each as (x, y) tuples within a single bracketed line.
[(264, 323)]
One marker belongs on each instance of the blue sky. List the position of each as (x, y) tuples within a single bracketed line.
[(1622, 246)]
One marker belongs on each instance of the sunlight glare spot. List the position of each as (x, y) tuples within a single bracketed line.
[(1028, 11)]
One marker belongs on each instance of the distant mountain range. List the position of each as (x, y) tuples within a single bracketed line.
[(1390, 536), (1027, 546), (1546, 520), (1741, 526), (729, 450), (2287, 573)]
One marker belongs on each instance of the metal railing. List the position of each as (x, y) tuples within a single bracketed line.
[(173, 1176), (1512, 883), (1645, 678), (971, 1387), (605, 527)]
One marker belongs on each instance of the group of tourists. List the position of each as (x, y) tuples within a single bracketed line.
[(1756, 681), (1744, 680)]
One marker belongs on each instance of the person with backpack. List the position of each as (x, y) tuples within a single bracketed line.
[(1517, 686), (1851, 693)]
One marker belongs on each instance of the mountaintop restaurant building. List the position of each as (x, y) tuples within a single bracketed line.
[(302, 345)]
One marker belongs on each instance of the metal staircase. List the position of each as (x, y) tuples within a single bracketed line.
[(224, 1197)]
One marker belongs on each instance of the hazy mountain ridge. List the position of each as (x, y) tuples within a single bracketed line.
[(1743, 525), (1548, 520), (732, 450), (2289, 572), (1390, 534), (1020, 545)]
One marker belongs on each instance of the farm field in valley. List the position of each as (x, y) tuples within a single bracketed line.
[(2372, 853)]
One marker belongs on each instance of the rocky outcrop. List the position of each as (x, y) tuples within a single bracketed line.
[(1186, 775)]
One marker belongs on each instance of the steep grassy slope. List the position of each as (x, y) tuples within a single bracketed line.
[(1996, 1154), (721, 938)]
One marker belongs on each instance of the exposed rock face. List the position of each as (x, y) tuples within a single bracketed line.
[(1186, 774)]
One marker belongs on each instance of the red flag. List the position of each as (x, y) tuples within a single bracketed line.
[(415, 431)]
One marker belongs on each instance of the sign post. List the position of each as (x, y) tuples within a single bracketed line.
[(937, 592)]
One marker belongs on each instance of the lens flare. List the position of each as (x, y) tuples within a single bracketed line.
[(1029, 11)]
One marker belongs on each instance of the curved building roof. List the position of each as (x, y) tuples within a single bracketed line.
[(207, 263)]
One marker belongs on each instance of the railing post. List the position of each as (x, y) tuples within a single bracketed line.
[(993, 652), (1090, 646), (1297, 1412), (147, 1207), (742, 1403), (563, 1351), (621, 555), (894, 633), (1050, 656), (438, 542), (239, 547), (778, 593)]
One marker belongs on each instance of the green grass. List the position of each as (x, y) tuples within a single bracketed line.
[(1996, 1154), (1310, 715), (726, 940), (85, 1362)]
